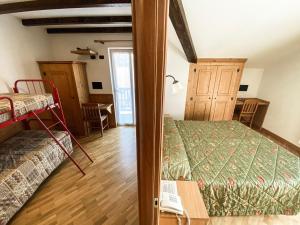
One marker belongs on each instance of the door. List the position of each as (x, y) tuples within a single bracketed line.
[(62, 76), (122, 73), (200, 92), (224, 97)]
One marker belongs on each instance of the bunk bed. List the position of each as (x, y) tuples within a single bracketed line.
[(28, 158)]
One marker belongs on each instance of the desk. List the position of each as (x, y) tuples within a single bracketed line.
[(192, 201), (106, 108), (106, 99), (260, 114)]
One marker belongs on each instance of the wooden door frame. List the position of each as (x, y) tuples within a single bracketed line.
[(149, 38)]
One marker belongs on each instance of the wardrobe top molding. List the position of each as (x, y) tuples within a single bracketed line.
[(61, 62), (221, 61)]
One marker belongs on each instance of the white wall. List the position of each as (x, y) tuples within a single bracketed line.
[(20, 48), (178, 66), (281, 86), (243, 29), (251, 77), (98, 69)]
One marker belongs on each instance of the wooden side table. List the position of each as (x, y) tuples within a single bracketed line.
[(192, 201)]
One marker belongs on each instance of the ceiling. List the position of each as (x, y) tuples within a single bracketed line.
[(99, 11), (75, 12), (260, 30)]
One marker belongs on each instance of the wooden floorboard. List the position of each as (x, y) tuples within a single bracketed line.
[(106, 195)]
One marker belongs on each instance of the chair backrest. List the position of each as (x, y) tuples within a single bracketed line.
[(91, 111), (249, 106)]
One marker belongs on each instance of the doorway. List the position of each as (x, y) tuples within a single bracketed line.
[(122, 74)]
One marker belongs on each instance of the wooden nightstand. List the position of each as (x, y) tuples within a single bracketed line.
[(192, 201)]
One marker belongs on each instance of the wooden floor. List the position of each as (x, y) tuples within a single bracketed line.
[(106, 195)]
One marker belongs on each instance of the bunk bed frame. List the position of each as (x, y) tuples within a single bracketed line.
[(37, 86)]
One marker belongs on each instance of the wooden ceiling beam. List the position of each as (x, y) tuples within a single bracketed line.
[(178, 18), (78, 20), (89, 30), (59, 4)]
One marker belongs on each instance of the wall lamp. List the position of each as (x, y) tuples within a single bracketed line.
[(176, 85)]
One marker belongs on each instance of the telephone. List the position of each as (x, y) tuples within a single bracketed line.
[(169, 199)]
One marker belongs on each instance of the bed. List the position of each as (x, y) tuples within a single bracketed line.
[(26, 160), (23, 103), (239, 172)]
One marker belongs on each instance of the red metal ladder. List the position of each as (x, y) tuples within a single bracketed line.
[(60, 122)]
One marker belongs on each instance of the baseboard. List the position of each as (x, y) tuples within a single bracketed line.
[(285, 143)]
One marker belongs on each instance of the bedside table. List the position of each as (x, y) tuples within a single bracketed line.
[(192, 201)]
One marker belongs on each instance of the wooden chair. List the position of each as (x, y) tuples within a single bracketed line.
[(93, 118), (248, 111)]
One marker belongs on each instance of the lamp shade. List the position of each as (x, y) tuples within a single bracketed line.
[(176, 87)]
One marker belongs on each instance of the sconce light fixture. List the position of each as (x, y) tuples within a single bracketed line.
[(176, 85)]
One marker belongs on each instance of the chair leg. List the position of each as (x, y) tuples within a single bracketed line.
[(251, 122), (101, 130), (240, 117), (107, 122), (88, 128)]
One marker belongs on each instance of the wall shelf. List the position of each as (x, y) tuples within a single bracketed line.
[(87, 51)]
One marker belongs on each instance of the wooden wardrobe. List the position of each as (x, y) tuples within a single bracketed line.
[(212, 89), (70, 78)]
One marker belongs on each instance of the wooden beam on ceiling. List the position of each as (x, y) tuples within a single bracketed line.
[(89, 30), (78, 20), (178, 18), (59, 4)]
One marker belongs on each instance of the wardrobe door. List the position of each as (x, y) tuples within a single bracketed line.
[(224, 96), (200, 92), (62, 76)]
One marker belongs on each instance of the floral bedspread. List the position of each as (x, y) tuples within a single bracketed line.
[(239, 171), (175, 164), (26, 160), (23, 103)]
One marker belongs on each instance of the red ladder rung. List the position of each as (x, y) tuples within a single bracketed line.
[(53, 125)]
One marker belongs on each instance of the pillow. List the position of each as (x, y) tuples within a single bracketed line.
[(175, 164)]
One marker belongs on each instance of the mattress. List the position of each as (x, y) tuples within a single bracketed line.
[(26, 160), (239, 171), (23, 103)]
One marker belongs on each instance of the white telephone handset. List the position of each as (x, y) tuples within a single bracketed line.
[(169, 199)]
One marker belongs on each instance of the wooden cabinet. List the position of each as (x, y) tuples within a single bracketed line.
[(212, 89), (70, 78)]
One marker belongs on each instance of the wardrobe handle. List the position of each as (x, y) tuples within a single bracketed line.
[(191, 98), (231, 98)]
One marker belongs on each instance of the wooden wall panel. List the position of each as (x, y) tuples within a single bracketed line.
[(149, 26), (106, 99)]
